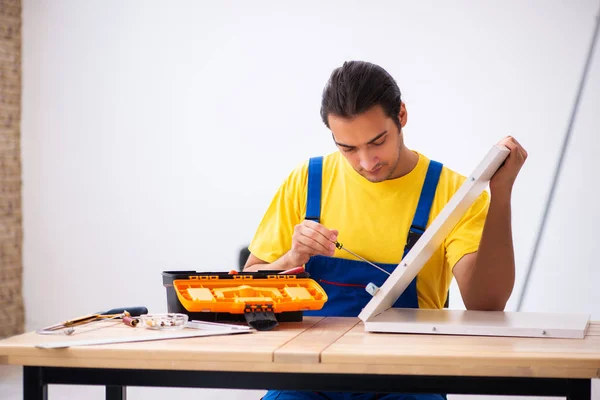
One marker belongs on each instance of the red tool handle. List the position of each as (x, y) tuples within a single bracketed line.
[(130, 321)]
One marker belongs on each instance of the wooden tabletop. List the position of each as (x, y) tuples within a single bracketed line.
[(359, 352), (322, 345)]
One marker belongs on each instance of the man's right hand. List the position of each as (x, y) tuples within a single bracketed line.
[(310, 238)]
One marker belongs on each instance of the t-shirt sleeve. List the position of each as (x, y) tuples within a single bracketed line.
[(466, 235), (273, 237)]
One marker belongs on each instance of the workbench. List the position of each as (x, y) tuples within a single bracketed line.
[(321, 354)]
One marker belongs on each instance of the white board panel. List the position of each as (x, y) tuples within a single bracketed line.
[(435, 234), (480, 323)]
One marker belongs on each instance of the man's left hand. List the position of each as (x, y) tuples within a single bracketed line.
[(503, 180)]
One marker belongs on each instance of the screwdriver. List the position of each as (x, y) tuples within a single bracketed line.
[(341, 247)]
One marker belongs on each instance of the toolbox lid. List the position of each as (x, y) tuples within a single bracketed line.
[(234, 293)]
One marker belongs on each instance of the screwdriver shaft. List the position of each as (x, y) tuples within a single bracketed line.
[(341, 247)]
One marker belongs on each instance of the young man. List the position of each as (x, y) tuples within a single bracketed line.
[(376, 196)]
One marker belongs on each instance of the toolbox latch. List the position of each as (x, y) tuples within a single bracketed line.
[(260, 316)]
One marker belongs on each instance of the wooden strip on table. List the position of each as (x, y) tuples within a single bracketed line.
[(191, 365), (308, 346)]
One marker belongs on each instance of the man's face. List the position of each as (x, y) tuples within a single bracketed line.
[(371, 143)]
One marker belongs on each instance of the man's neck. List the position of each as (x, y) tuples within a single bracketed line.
[(407, 162)]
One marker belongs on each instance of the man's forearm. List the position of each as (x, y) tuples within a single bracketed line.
[(491, 281), (282, 263)]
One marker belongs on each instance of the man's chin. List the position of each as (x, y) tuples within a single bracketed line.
[(374, 180), (377, 177)]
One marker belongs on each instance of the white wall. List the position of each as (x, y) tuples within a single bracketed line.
[(155, 133)]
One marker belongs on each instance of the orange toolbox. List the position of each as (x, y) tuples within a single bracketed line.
[(262, 299)]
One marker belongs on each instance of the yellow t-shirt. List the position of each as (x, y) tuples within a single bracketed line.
[(373, 219)]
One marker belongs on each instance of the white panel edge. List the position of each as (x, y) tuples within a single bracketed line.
[(467, 330)]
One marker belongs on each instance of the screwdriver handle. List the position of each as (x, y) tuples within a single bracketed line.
[(133, 311)]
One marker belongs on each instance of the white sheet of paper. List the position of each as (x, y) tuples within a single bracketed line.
[(179, 334)]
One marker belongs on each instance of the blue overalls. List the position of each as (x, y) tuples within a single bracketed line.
[(345, 280)]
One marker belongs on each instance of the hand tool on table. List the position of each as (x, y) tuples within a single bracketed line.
[(127, 314)]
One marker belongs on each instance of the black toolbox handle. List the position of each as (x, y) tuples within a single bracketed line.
[(260, 317)]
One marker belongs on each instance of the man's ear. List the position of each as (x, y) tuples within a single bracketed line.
[(403, 115)]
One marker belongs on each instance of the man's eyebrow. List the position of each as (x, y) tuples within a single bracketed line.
[(369, 142)]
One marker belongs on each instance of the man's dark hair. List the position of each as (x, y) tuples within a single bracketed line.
[(357, 86)]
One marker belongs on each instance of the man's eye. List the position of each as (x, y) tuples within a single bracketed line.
[(379, 143), (348, 150)]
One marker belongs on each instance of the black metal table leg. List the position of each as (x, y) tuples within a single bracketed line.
[(34, 386), (579, 389), (116, 392), (36, 379)]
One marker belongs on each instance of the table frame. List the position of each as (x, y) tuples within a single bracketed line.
[(37, 378)]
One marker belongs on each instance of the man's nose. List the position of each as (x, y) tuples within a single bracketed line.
[(368, 163)]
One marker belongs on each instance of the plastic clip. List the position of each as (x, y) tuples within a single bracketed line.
[(372, 289), (260, 316)]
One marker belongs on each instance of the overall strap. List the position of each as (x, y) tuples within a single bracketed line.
[(423, 208), (313, 198)]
